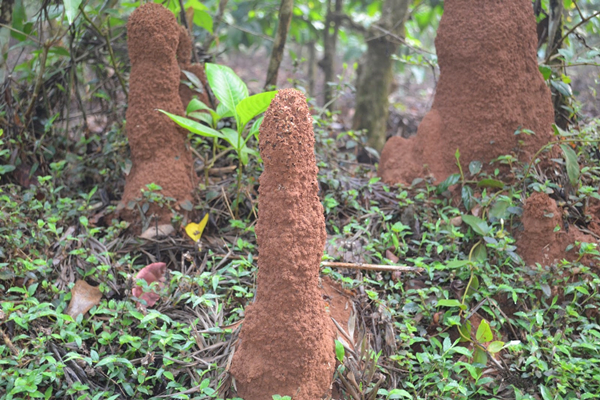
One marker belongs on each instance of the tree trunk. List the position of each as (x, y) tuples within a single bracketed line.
[(376, 72), (285, 17), (330, 34), (6, 9), (312, 68)]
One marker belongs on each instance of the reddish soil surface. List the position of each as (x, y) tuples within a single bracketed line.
[(538, 243), (338, 301), (158, 147), (286, 343), (184, 57), (489, 86)]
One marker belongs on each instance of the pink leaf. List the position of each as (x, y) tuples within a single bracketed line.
[(151, 273)]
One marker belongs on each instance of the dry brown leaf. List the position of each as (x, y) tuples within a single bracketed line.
[(83, 298)]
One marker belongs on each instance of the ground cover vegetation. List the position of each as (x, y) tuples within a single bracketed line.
[(102, 298)]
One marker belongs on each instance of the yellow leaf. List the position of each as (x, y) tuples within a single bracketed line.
[(195, 230)]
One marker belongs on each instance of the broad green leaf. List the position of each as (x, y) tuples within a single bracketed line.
[(71, 7), (491, 183), (193, 126), (19, 17), (484, 332), (251, 106), (546, 395), (339, 351), (223, 111), (228, 88), (202, 116), (479, 357), (500, 209), (478, 225), (399, 394), (466, 194), (480, 253), (495, 346), (248, 151), (474, 285), (545, 71), (465, 332), (451, 180), (451, 303), (203, 20), (195, 105), (232, 137), (571, 163), (475, 167)]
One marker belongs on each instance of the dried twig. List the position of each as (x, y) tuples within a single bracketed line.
[(372, 267)]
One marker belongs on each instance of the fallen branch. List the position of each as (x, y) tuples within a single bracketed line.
[(334, 264), (372, 267)]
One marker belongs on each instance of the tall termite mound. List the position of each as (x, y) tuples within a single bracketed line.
[(158, 147), (184, 57), (489, 88), (286, 342)]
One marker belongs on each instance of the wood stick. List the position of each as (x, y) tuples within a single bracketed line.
[(334, 264), (372, 267)]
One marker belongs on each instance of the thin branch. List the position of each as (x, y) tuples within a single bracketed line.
[(561, 40), (398, 38), (110, 51)]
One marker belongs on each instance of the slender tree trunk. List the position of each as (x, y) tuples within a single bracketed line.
[(312, 67), (285, 17), (376, 72), (330, 34), (6, 10)]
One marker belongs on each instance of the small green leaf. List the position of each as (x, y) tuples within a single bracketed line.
[(71, 7), (448, 303), (451, 180), (572, 164), (339, 351), (465, 332), (475, 167), (484, 332), (479, 357), (193, 126), (491, 183), (466, 194), (203, 20), (500, 209), (255, 129), (480, 253), (545, 71), (252, 106), (233, 138), (478, 225), (495, 346)]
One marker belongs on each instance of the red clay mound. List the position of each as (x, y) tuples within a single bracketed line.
[(286, 343), (158, 147), (184, 57), (489, 86), (538, 243)]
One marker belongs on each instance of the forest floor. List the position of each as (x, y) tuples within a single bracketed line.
[(477, 323)]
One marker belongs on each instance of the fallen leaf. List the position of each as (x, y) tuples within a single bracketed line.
[(157, 231), (391, 256), (83, 298), (195, 230), (151, 273)]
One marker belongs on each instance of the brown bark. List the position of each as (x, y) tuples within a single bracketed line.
[(285, 17), (330, 35), (376, 72)]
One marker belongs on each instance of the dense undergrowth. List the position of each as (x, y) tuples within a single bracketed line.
[(411, 331), (408, 343)]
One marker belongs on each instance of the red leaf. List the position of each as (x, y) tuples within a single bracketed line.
[(151, 273)]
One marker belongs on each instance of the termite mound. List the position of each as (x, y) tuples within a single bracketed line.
[(287, 338), (158, 147), (489, 88)]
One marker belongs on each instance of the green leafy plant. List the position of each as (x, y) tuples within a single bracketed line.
[(232, 94)]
